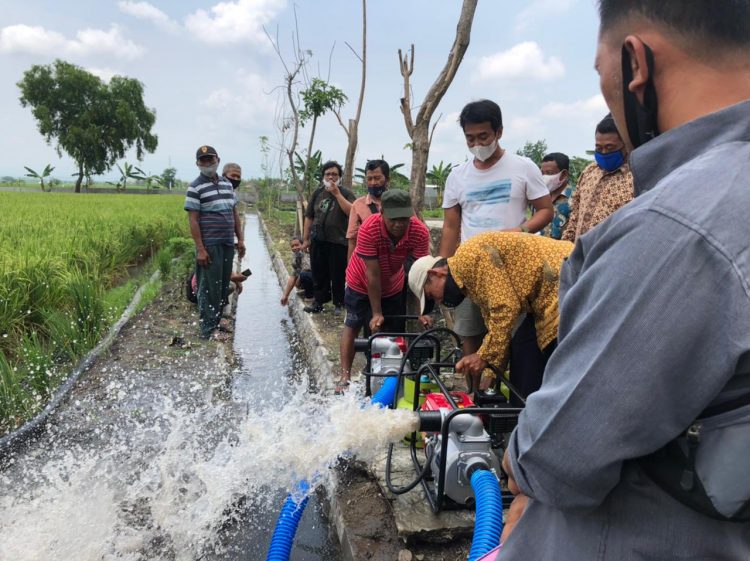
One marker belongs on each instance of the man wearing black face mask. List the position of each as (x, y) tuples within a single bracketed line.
[(635, 448), (214, 222), (604, 186), (377, 174)]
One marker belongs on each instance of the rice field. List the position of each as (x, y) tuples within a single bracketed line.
[(61, 256)]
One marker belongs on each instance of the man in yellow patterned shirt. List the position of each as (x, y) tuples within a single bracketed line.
[(507, 274)]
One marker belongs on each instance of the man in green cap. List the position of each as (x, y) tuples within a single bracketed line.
[(375, 274)]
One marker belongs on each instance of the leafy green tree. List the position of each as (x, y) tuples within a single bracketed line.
[(317, 100), (438, 175), (534, 150), (40, 176), (93, 122), (168, 177)]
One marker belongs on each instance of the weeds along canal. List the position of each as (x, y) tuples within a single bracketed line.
[(162, 453)]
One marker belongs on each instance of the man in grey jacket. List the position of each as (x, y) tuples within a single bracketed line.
[(654, 302)]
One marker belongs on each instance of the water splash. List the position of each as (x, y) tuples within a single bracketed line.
[(164, 489)]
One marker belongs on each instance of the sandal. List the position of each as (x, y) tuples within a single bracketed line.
[(341, 387), (225, 326)]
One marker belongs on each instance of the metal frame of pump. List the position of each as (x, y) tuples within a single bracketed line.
[(498, 419)]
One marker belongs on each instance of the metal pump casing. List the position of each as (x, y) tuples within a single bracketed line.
[(469, 448)]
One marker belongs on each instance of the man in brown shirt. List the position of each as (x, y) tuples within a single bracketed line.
[(604, 186)]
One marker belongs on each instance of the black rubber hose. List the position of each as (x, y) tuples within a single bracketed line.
[(420, 475)]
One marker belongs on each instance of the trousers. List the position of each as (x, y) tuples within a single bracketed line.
[(328, 264), (213, 286)]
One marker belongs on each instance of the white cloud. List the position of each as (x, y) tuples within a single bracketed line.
[(537, 10), (40, 41), (234, 22), (524, 61), (244, 105), (593, 107), (148, 12)]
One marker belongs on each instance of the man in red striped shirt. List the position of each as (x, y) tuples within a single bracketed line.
[(375, 274)]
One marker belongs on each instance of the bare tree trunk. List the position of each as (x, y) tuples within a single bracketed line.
[(419, 128), (309, 155), (352, 132), (295, 133)]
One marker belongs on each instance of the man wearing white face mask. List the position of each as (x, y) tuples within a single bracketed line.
[(490, 192), (555, 169), (214, 222)]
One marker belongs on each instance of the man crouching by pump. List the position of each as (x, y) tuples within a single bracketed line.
[(507, 274)]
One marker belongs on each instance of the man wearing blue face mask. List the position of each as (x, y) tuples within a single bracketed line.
[(604, 186)]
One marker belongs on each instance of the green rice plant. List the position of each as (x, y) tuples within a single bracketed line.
[(60, 254), (164, 261)]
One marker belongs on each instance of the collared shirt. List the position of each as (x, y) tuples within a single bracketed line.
[(373, 242), (507, 274), (215, 204), (654, 328), (561, 206), (598, 194), (361, 211)]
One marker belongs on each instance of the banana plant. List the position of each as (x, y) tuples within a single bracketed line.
[(128, 171), (40, 176)]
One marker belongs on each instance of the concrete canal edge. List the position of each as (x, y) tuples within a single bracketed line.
[(370, 523), (339, 496)]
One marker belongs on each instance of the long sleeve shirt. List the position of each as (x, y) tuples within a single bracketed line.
[(598, 194), (654, 327), (507, 274)]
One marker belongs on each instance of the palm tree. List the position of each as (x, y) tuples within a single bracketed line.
[(40, 176), (438, 175)]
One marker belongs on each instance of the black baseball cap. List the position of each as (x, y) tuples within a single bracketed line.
[(204, 151), (396, 204)]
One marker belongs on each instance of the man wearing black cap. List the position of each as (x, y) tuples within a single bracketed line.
[(375, 274), (214, 222)]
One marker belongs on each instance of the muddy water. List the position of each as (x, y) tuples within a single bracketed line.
[(165, 457)]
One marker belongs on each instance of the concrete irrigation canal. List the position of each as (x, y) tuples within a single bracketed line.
[(168, 449)]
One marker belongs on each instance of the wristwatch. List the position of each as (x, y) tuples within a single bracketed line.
[(524, 229)]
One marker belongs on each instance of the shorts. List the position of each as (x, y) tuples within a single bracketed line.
[(359, 313), (467, 319)]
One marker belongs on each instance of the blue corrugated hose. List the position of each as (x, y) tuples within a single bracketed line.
[(286, 525), (384, 396), (488, 524), (291, 512)]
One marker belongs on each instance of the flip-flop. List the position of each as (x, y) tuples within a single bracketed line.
[(341, 387), (225, 326)]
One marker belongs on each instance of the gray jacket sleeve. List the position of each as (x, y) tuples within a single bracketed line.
[(651, 330)]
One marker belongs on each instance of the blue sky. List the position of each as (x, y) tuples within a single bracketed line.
[(211, 76)]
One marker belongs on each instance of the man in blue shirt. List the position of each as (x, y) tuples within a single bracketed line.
[(654, 307), (214, 222)]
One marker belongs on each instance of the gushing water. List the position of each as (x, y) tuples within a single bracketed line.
[(156, 461), (166, 493)]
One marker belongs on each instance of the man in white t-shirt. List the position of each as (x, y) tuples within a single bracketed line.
[(491, 192)]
